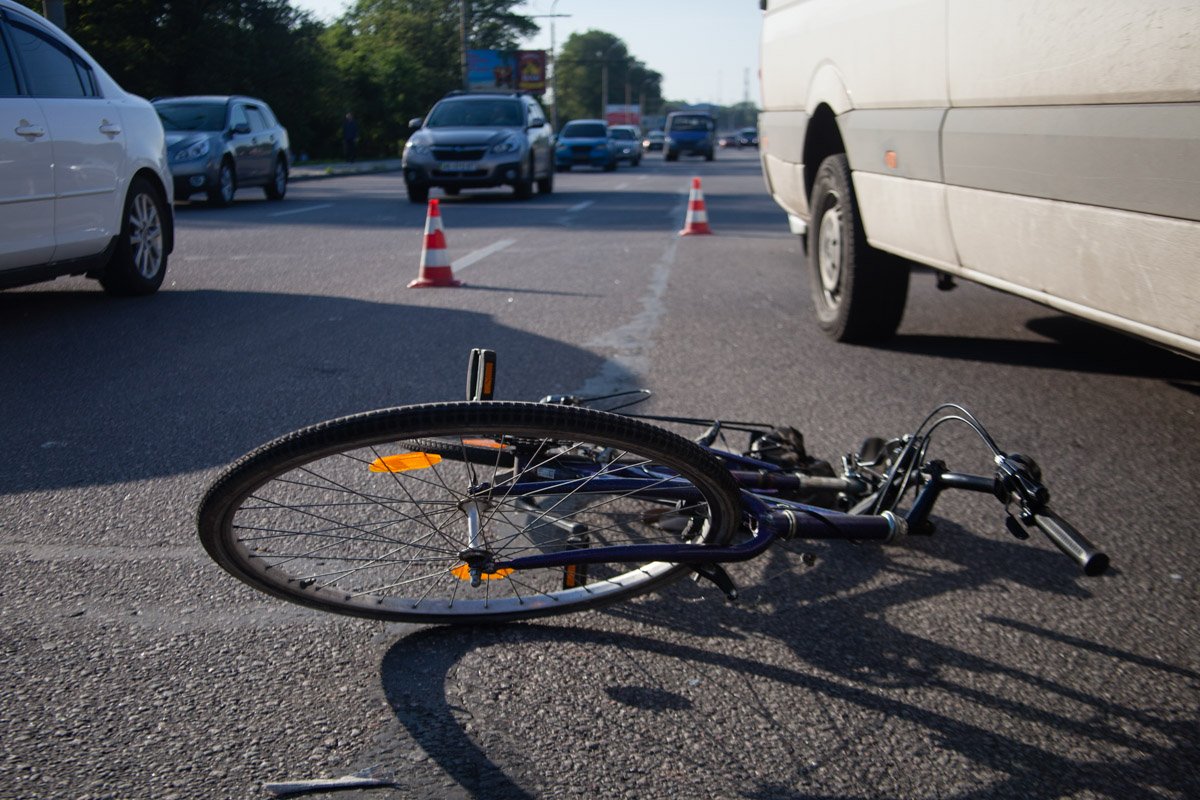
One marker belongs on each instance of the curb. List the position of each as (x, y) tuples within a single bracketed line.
[(306, 173)]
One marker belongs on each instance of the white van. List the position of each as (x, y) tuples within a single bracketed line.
[(1051, 150)]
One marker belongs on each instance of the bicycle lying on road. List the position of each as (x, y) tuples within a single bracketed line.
[(489, 511)]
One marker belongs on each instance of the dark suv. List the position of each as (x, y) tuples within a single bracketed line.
[(219, 144), (479, 140)]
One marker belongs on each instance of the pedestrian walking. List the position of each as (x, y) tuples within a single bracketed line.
[(350, 137)]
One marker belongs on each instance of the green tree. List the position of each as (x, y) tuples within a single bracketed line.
[(580, 77), (263, 48), (395, 58)]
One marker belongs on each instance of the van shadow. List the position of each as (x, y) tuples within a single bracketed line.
[(99, 390), (1077, 346), (496, 709)]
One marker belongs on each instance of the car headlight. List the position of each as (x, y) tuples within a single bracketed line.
[(417, 147), (507, 146), (193, 151)]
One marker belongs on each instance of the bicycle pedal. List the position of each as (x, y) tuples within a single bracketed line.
[(481, 374), (716, 574)]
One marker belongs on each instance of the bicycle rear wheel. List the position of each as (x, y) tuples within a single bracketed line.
[(371, 515)]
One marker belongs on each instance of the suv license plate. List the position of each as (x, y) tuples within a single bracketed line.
[(457, 166)]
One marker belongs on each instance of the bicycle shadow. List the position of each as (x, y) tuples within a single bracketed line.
[(496, 709)]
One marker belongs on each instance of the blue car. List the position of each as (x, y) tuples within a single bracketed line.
[(585, 142), (690, 133)]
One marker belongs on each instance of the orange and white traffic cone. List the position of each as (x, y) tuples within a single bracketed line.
[(435, 261), (697, 218)]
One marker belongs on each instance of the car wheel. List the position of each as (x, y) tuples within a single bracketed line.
[(546, 185), (277, 188), (708, 156), (859, 292), (221, 195), (671, 157), (611, 166), (418, 192), (451, 191), (636, 161), (139, 263)]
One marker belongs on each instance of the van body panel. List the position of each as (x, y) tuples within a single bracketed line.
[(1048, 150)]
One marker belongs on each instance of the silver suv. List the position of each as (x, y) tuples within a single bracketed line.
[(219, 144), (479, 140)]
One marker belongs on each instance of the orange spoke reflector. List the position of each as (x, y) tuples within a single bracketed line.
[(492, 443), (404, 461), (463, 573)]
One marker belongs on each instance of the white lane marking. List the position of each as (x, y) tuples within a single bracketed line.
[(479, 255), (629, 346), (621, 187), (580, 206), (300, 210)]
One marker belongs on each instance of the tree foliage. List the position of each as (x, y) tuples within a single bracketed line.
[(580, 77), (386, 60)]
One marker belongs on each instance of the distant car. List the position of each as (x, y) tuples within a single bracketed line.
[(85, 187), (480, 140), (218, 144), (585, 142), (690, 133), (653, 141), (747, 137), (629, 143), (726, 140)]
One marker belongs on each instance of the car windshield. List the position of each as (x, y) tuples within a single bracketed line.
[(622, 133), (585, 130), (476, 114), (691, 124), (191, 116)]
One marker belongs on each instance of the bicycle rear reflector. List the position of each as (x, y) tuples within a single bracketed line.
[(463, 573), (403, 462)]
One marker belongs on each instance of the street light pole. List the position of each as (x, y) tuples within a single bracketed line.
[(604, 79), (553, 62)]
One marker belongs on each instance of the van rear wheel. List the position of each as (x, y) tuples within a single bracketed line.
[(859, 292)]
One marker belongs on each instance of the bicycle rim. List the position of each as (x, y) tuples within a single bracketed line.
[(371, 515)]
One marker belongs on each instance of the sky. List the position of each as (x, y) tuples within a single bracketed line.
[(706, 50)]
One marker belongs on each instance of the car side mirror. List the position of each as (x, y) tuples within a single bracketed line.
[(416, 122)]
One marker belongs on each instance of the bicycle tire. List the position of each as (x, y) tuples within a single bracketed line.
[(293, 519)]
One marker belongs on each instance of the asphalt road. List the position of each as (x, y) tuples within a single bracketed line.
[(966, 665)]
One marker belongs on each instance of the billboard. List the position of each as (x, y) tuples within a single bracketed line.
[(520, 70), (615, 114)]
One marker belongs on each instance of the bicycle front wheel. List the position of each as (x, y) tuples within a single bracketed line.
[(389, 514)]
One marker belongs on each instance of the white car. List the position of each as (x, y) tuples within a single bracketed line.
[(84, 183)]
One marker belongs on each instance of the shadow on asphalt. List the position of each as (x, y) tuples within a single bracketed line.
[(1076, 346), (495, 709), (140, 388)]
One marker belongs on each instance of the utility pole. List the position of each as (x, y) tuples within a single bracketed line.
[(553, 63), (464, 7), (56, 12)]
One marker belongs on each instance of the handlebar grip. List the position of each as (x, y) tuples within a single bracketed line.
[(1071, 542)]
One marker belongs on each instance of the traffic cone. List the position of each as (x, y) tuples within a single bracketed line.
[(697, 218), (435, 261)]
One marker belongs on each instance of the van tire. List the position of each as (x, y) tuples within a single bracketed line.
[(859, 292)]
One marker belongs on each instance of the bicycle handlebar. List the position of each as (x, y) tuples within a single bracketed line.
[(1072, 542)]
